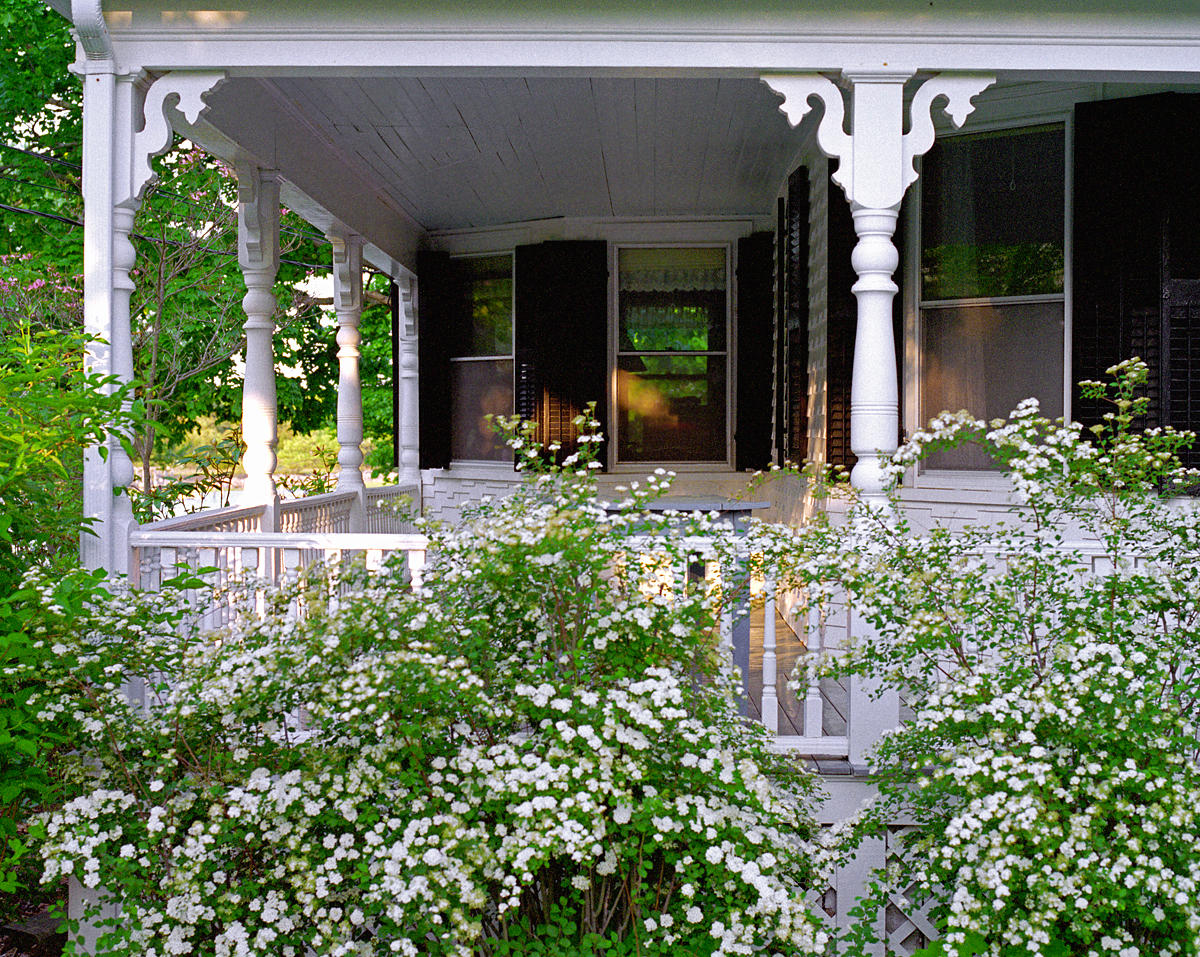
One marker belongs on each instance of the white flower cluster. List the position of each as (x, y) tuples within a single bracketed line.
[(1050, 662), (539, 738)]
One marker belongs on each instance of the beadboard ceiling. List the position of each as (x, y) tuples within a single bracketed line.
[(462, 152)]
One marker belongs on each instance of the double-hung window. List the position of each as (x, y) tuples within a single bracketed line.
[(672, 354), (991, 278), (481, 361)]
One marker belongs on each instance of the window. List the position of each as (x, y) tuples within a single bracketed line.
[(481, 360), (991, 278), (672, 354)]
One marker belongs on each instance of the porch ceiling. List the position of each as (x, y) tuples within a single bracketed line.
[(462, 152)]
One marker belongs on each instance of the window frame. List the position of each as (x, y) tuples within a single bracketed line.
[(615, 464), (914, 417), (504, 464)]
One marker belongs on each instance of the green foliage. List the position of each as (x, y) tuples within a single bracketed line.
[(186, 305), (209, 471), (377, 376), (49, 409), (37, 50), (535, 753), (1050, 662)]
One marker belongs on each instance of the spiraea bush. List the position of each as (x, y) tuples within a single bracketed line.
[(534, 753), (1052, 664)]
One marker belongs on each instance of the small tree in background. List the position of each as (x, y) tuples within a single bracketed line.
[(186, 314)]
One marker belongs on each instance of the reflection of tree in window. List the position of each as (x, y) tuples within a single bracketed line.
[(482, 369), (992, 227), (671, 355), (992, 215)]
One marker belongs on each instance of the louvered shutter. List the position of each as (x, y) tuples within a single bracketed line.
[(438, 288), (561, 336), (779, 338), (795, 312), (755, 316), (842, 312)]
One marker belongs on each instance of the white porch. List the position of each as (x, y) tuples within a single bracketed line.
[(399, 129)]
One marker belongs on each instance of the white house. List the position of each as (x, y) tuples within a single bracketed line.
[(749, 231)]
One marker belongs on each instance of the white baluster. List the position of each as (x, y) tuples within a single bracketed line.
[(770, 695), (814, 706), (416, 567)]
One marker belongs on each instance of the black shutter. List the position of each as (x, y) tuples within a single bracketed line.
[(438, 289), (1136, 261), (755, 316), (842, 314), (561, 336), (795, 313), (779, 337)]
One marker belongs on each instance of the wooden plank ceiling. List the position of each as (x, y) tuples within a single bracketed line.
[(461, 152)]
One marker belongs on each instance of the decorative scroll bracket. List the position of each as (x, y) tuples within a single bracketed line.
[(959, 92), (185, 92), (876, 161), (347, 270), (408, 309), (258, 219), (797, 91)]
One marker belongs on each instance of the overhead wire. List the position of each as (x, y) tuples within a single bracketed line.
[(48, 158), (151, 239)]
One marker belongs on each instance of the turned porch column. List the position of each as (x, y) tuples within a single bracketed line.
[(127, 121), (408, 427), (347, 301), (258, 255), (108, 111), (875, 168)]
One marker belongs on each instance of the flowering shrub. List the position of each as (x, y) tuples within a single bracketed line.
[(535, 754), (1051, 665)]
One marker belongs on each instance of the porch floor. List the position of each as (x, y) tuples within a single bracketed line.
[(789, 646)]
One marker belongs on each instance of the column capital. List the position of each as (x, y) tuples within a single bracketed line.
[(876, 158), (258, 219), (347, 270)]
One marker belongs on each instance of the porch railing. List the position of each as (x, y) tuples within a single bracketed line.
[(219, 559), (756, 640), (237, 519), (384, 512), (387, 508), (328, 512), (220, 547)]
